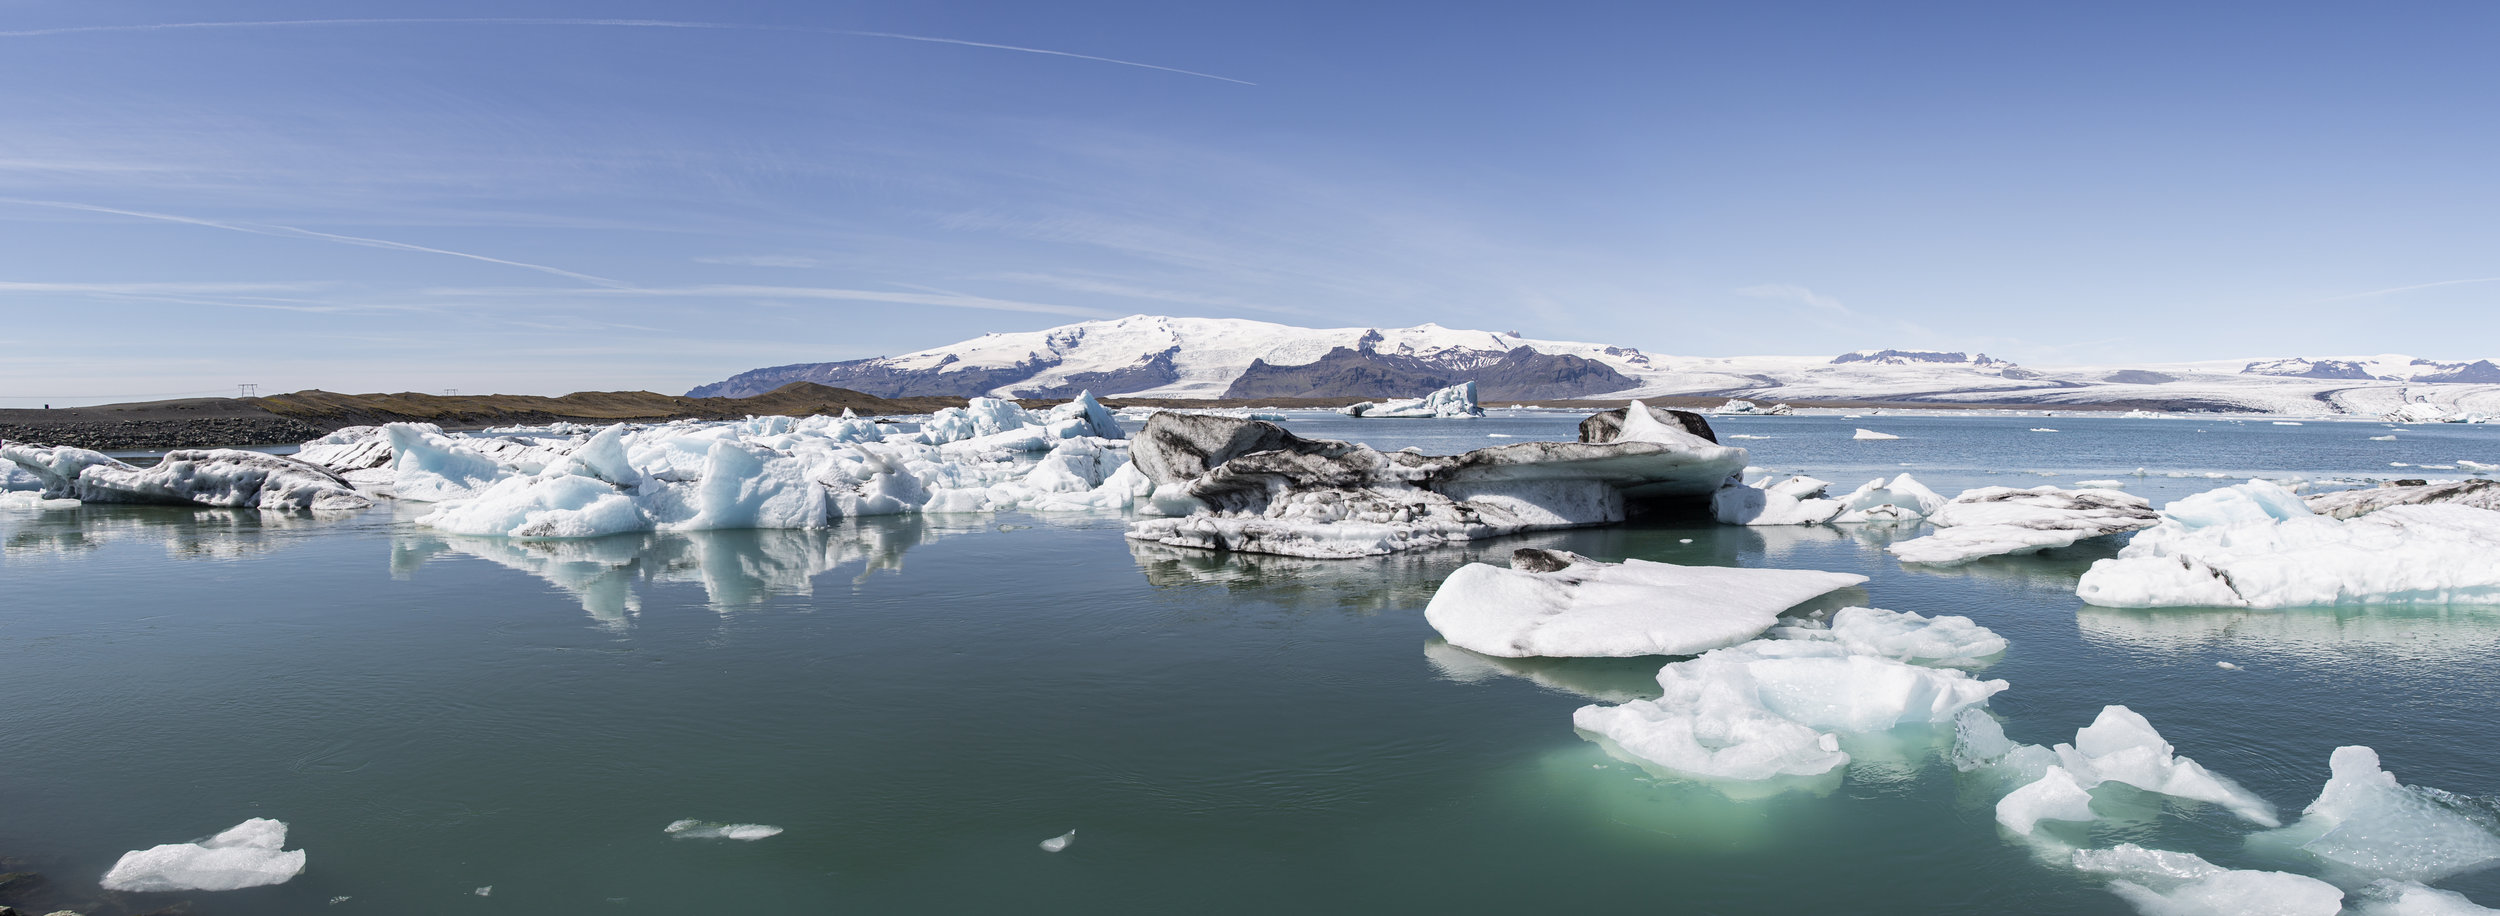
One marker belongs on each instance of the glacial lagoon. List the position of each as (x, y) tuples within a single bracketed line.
[(918, 702)]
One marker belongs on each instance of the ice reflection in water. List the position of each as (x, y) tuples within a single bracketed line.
[(2451, 633), (187, 533), (738, 568)]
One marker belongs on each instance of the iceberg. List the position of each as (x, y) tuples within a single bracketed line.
[(706, 830), (2162, 883), (2258, 545), (1797, 500), (1454, 402), (1868, 434), (198, 477), (2342, 504), (1991, 521), (1949, 639), (1226, 483), (249, 854), (1559, 604), (2119, 746), (2365, 823), (1774, 707)]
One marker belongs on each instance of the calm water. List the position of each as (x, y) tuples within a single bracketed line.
[(919, 702)]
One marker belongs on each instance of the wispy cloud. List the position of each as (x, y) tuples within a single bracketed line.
[(2402, 289), (1790, 292), (762, 260), (938, 298), (1125, 290), (151, 289), (604, 23), (293, 232)]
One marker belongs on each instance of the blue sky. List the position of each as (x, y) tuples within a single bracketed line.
[(535, 202)]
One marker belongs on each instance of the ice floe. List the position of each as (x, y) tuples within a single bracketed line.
[(2120, 746), (1555, 603), (1864, 434), (691, 829), (2259, 545), (2364, 823), (1990, 521), (1246, 485), (1060, 842), (1773, 708), (249, 854), (1454, 402), (2162, 883)]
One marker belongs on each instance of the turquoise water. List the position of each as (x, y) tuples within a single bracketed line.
[(919, 702)]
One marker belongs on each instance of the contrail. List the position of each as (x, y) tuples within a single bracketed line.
[(605, 23), (293, 232)]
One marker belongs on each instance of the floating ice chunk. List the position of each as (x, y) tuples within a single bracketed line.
[(691, 829), (1871, 434), (221, 477), (2406, 898), (1057, 843), (2101, 484), (2382, 438), (1900, 499), (2287, 423), (2162, 883), (2121, 746), (1990, 521), (1793, 501), (428, 467), (2257, 545), (1456, 401), (1941, 640), (1092, 419), (487, 891), (1553, 603), (2226, 666), (249, 854), (1760, 710), (2477, 466), (2480, 494), (2366, 822), (2042, 429), (30, 499), (2055, 796)]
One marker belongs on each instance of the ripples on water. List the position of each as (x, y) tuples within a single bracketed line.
[(920, 701)]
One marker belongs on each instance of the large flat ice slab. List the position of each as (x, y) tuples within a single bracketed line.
[(2258, 545), (1992, 521), (1553, 603)]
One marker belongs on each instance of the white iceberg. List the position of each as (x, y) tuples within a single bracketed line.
[(1868, 434), (1454, 402), (1901, 499), (1554, 603), (249, 854), (2258, 545), (1796, 500), (1773, 707), (2366, 823), (2163, 883), (1941, 640), (1991, 521)]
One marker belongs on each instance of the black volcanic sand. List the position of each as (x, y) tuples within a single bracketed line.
[(152, 425)]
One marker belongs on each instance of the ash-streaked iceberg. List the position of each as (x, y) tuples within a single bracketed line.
[(2259, 545), (1559, 604), (1991, 521), (1802, 500), (249, 854), (197, 477), (2344, 504), (1248, 485), (1454, 402)]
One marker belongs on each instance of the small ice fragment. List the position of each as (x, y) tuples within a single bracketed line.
[(487, 891), (1499, 436), (1683, 540), (2042, 429), (691, 829), (334, 901), (2382, 438), (2398, 464), (1057, 843), (245, 855), (2287, 423), (1864, 433), (2226, 666)]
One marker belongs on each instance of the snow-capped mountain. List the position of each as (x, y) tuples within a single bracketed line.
[(1163, 357)]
